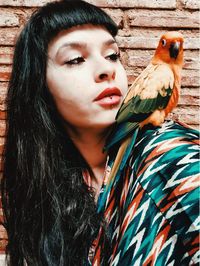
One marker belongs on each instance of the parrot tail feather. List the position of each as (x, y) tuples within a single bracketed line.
[(129, 148), (123, 155), (120, 132)]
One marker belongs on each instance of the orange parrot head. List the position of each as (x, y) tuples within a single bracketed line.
[(170, 49)]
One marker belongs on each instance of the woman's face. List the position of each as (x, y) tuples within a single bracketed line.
[(86, 77)]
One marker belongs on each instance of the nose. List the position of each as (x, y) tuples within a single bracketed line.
[(105, 71)]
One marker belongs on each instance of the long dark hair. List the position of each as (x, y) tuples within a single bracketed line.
[(49, 212)]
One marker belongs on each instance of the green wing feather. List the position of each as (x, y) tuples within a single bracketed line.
[(147, 94), (150, 91), (119, 132)]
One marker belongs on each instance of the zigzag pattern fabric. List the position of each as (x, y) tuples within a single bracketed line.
[(152, 206)]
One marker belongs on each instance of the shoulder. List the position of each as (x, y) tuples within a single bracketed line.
[(165, 152), (165, 162), (172, 140), (168, 131)]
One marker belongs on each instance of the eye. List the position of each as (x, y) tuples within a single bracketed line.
[(75, 61), (164, 42), (113, 57)]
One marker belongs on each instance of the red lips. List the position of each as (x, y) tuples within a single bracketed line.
[(107, 93)]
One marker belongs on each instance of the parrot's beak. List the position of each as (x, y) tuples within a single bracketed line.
[(174, 49)]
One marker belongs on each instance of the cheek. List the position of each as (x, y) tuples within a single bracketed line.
[(62, 84), (61, 88), (58, 86), (73, 110), (69, 96)]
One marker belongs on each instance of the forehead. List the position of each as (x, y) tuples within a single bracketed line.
[(172, 35), (88, 34)]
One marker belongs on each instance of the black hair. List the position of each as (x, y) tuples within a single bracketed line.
[(49, 211)]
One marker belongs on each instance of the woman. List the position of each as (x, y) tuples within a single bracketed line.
[(66, 86)]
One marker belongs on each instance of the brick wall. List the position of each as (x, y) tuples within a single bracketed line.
[(141, 23)]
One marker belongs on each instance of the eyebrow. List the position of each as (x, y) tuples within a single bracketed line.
[(83, 45)]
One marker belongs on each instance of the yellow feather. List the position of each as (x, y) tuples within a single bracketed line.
[(118, 159)]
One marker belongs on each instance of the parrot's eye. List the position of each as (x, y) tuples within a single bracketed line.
[(164, 42)]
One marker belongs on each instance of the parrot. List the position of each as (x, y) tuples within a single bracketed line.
[(151, 97)]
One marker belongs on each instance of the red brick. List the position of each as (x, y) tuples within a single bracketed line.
[(2, 143), (1, 169), (3, 244), (159, 4), (8, 19), (192, 63), (138, 42), (143, 61), (191, 4), (117, 15), (192, 43), (190, 78), (5, 72), (2, 115), (2, 105), (25, 3), (3, 234), (189, 96), (3, 93), (8, 37), (3, 87), (2, 128), (190, 91), (166, 21), (186, 114), (6, 55)]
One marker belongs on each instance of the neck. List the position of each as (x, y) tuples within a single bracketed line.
[(91, 148), (90, 143)]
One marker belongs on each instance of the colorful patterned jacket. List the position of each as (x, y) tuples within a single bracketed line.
[(152, 206)]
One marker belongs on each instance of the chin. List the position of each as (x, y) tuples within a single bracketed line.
[(107, 120)]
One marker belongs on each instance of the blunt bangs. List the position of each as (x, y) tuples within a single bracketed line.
[(54, 17)]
